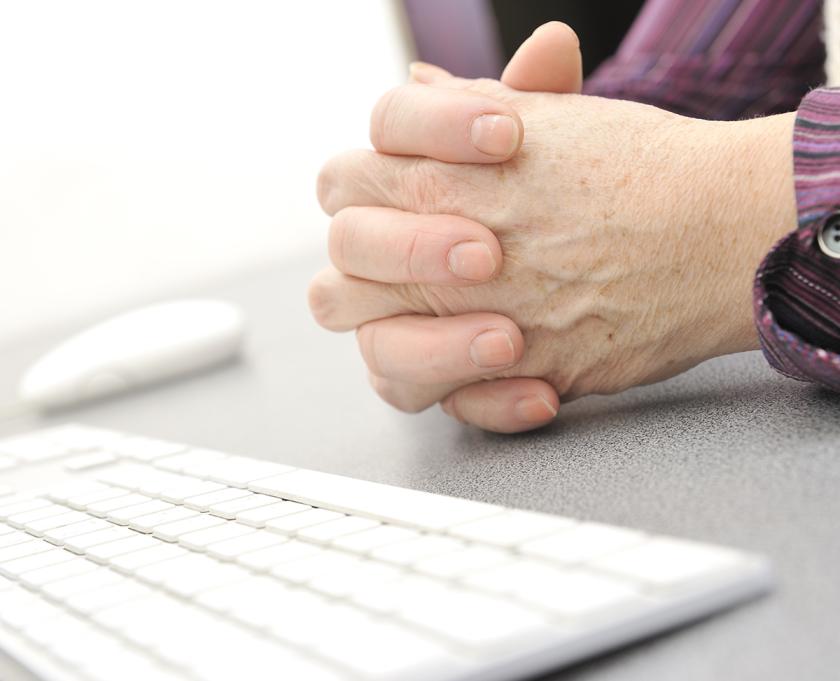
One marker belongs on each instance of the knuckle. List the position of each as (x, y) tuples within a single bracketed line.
[(487, 86), (322, 301), (565, 383), (326, 186), (401, 397), (366, 339), (425, 187), (341, 234), (384, 118)]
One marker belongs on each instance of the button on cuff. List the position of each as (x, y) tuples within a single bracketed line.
[(828, 236)]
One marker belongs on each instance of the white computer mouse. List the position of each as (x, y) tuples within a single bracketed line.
[(134, 349)]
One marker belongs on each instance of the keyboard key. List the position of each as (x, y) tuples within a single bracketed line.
[(224, 599), (510, 528), (10, 508), (23, 549), (264, 559), (62, 492), (408, 552), (229, 549), (289, 524), (381, 502), (145, 449), (201, 539), (390, 596), (178, 463), (82, 542), (567, 593), (172, 531), (324, 533), (102, 508), (189, 582), (191, 574), (229, 509), (179, 491), (148, 523), (352, 579), (382, 650), (96, 578), (160, 481), (238, 471), (126, 475), (203, 502), (13, 569), (126, 665), (129, 562), (368, 540), (664, 563), (41, 525), (75, 567), (103, 553), (305, 569), (474, 620), (141, 621), (582, 542), (19, 608), (119, 593), (316, 619), (18, 520), (84, 462), (14, 537), (131, 476), (81, 501), (74, 438), (32, 448), (59, 535), (123, 516), (257, 517), (457, 564)]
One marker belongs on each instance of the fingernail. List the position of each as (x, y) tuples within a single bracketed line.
[(534, 409), (494, 135), (471, 260), (492, 349)]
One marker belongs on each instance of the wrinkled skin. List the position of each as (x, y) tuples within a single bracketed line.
[(630, 238)]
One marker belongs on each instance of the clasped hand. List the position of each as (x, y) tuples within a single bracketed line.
[(503, 250)]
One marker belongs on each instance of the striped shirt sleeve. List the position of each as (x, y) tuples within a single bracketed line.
[(797, 287), (717, 59)]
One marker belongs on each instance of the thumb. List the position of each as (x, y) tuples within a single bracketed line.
[(548, 61)]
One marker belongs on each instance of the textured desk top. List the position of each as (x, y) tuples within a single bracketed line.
[(728, 453)]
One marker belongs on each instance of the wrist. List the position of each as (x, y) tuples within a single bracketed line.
[(746, 204)]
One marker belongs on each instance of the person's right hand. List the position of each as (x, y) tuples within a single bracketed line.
[(548, 61)]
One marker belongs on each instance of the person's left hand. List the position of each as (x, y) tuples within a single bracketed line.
[(612, 218)]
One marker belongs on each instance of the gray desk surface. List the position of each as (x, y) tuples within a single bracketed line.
[(729, 453)]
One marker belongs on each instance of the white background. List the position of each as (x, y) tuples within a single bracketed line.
[(145, 144)]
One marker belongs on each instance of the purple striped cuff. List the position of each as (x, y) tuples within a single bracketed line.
[(797, 287)]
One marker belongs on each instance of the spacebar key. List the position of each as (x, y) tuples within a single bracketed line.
[(383, 502)]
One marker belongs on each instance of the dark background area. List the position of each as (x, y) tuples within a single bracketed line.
[(600, 25)]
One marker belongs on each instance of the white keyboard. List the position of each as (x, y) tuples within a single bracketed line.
[(125, 558)]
